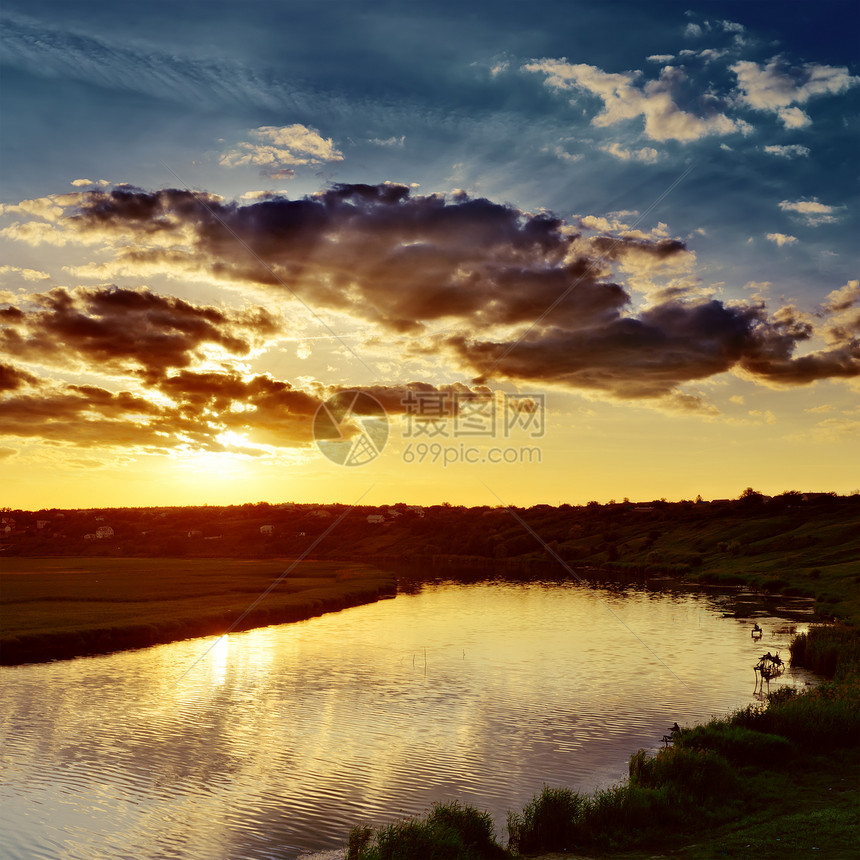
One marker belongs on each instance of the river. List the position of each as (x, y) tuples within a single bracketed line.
[(272, 743)]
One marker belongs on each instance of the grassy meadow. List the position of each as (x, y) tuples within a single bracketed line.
[(66, 607)]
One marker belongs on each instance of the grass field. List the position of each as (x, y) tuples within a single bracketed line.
[(66, 607)]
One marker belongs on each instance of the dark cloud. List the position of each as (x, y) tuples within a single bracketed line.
[(195, 410), (373, 250), (665, 346), (127, 330), (13, 377), (524, 296), (85, 416)]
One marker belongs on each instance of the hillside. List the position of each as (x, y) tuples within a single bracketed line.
[(806, 545)]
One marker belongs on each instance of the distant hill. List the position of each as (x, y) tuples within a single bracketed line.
[(805, 544)]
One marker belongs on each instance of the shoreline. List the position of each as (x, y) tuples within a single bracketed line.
[(775, 780), (135, 622), (100, 639), (53, 647)]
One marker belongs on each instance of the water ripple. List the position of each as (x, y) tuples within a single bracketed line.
[(281, 739)]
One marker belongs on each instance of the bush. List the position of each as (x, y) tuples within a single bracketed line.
[(620, 815), (737, 744), (828, 651), (690, 775), (449, 832), (822, 718), (549, 822)]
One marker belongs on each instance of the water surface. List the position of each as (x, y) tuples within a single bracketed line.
[(274, 742)]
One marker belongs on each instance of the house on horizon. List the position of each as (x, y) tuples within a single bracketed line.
[(816, 497), (104, 532), (375, 518), (267, 530)]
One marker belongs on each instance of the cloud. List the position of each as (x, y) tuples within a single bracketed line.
[(13, 378), (217, 411), (835, 429), (782, 239), (792, 150), (26, 274), (655, 101), (844, 298), (812, 212), (775, 87), (794, 117), (841, 313), (261, 195), (397, 142), (662, 59), (277, 150), (374, 251), (138, 67), (648, 154), (650, 355), (118, 330), (564, 155), (522, 296), (692, 31)]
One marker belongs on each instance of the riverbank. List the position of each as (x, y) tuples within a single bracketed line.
[(60, 608), (771, 781)]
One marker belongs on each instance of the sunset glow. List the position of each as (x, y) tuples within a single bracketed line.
[(649, 241)]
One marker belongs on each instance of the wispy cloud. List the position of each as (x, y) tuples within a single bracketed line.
[(398, 142), (791, 150), (812, 212), (26, 274), (133, 67)]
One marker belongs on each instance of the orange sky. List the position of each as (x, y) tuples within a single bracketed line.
[(646, 241)]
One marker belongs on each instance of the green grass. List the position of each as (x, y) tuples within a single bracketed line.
[(58, 607), (831, 651), (549, 822), (449, 832)]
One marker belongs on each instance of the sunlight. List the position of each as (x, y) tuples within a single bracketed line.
[(219, 657)]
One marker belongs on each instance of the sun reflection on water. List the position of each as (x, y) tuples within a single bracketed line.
[(282, 738)]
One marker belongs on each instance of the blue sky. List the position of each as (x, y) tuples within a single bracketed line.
[(705, 156)]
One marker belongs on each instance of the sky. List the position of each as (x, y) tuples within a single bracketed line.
[(484, 253)]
